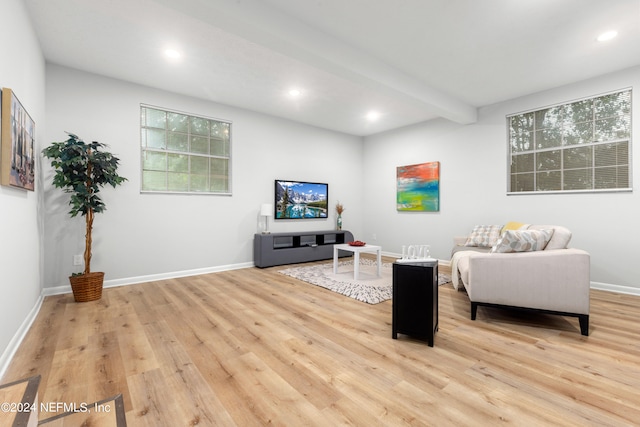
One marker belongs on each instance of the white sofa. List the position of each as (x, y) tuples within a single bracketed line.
[(552, 279)]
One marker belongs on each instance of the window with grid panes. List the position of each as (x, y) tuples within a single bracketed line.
[(182, 153), (579, 146)]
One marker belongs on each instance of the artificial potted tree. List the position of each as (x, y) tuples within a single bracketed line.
[(82, 169)]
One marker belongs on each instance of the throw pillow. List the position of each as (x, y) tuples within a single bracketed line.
[(560, 239), (484, 236), (522, 241), (513, 225)]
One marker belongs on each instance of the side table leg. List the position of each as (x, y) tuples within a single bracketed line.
[(379, 262), (356, 266), (335, 260)]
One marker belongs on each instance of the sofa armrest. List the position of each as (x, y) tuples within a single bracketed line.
[(556, 280)]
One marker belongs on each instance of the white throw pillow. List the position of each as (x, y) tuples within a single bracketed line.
[(484, 236), (560, 239), (522, 241)]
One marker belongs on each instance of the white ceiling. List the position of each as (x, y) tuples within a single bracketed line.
[(410, 60)]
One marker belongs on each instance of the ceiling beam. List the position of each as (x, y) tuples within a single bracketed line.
[(272, 28)]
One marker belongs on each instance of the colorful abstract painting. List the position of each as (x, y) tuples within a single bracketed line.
[(419, 187)]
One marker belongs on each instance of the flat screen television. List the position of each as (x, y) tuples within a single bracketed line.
[(300, 200)]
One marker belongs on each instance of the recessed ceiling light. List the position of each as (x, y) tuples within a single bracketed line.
[(172, 54), (373, 116), (608, 35), (295, 92)]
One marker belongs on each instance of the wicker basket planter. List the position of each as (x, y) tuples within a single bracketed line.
[(87, 287)]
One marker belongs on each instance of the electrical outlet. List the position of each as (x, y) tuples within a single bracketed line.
[(375, 236), (77, 260)]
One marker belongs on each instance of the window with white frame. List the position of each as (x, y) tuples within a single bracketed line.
[(182, 153), (579, 146)]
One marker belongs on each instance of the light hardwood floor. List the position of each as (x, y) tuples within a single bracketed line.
[(254, 347)]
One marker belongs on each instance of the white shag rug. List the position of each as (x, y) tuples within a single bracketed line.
[(368, 288)]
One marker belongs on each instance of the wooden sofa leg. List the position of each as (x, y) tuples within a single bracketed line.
[(584, 324), (474, 310)]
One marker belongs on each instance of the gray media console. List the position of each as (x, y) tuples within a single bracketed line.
[(290, 248)]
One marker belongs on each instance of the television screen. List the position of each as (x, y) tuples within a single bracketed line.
[(300, 200)]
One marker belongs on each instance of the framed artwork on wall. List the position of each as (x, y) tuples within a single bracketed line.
[(17, 158), (418, 187)]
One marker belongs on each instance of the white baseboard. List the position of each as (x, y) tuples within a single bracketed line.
[(615, 288), (57, 290), (12, 347), (195, 272)]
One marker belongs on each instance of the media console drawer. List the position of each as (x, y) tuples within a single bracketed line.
[(283, 242)]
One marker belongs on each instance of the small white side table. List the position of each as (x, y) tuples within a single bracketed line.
[(356, 262)]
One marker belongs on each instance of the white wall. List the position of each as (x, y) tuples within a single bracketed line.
[(474, 181), (142, 235), (22, 70)]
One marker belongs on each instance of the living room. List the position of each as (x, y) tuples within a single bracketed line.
[(146, 237)]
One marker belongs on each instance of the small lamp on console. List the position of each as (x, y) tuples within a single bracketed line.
[(266, 210)]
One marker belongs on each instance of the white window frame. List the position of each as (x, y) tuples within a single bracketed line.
[(537, 149), (145, 149)]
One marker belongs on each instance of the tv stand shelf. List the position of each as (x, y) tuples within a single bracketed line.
[(290, 248)]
